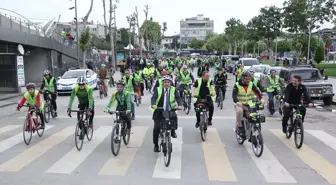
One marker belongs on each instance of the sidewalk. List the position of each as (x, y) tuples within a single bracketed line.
[(333, 82)]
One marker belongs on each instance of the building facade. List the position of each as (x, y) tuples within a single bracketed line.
[(195, 27)]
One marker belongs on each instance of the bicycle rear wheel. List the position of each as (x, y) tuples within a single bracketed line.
[(46, 113), (289, 130), (89, 131), (221, 99), (188, 105), (168, 151), (257, 142), (27, 128), (39, 130), (115, 140), (78, 134), (101, 92), (298, 133), (126, 135)]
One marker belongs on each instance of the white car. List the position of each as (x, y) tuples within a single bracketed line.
[(248, 62), (259, 70), (66, 82)]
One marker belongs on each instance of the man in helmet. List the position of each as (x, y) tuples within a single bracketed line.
[(159, 81), (129, 80), (273, 84), (33, 98), (166, 96), (83, 91), (185, 78), (243, 94), (220, 82), (49, 84), (103, 76), (123, 99), (203, 68), (158, 72)]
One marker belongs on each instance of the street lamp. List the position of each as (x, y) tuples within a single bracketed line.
[(77, 31)]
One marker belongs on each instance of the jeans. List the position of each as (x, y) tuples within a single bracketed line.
[(271, 101), (132, 104), (126, 118)]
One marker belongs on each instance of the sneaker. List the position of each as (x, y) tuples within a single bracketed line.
[(197, 125), (173, 134), (156, 148)]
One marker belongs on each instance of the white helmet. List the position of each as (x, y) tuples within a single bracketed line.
[(167, 77)]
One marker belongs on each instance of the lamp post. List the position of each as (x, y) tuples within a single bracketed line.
[(77, 32)]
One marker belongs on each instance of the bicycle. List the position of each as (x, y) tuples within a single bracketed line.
[(220, 98), (202, 108), (119, 130), (102, 92), (186, 98), (279, 100), (28, 125), (165, 135), (48, 108), (137, 95), (252, 130), (295, 126), (82, 128)]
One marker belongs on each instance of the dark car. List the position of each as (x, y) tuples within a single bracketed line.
[(317, 86)]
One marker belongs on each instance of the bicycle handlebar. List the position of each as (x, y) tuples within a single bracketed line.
[(161, 108)]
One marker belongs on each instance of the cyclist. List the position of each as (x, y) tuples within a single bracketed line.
[(147, 72), (202, 69), (111, 72), (273, 83), (159, 81), (220, 80), (158, 71), (293, 95), (177, 73), (49, 84), (239, 71), (130, 84), (103, 76), (254, 80), (139, 79), (83, 91), (167, 97), (201, 88), (185, 76), (123, 99), (242, 95), (33, 98)]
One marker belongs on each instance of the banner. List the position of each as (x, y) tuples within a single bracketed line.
[(20, 71)]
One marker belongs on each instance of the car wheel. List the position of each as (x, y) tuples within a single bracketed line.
[(327, 100)]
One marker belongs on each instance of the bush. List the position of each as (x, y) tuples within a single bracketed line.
[(319, 53)]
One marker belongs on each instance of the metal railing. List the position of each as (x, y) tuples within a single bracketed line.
[(15, 23)]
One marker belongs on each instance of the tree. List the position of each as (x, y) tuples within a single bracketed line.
[(217, 43), (284, 46), (124, 36), (140, 33), (319, 53), (235, 30), (85, 41), (196, 44), (253, 35), (154, 31)]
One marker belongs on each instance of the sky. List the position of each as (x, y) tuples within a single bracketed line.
[(171, 11)]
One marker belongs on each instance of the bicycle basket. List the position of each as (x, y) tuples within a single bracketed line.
[(257, 118)]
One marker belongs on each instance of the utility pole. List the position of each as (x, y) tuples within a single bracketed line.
[(111, 34), (115, 34), (77, 35), (146, 15)]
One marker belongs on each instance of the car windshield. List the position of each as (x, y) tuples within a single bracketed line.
[(235, 58), (259, 69), (313, 74), (250, 62), (72, 74)]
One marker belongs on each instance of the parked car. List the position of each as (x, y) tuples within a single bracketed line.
[(248, 62), (259, 70), (68, 80), (317, 86)]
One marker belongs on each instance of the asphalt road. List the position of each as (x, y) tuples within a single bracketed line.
[(54, 159)]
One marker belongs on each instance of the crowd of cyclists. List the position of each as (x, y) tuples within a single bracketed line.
[(168, 80)]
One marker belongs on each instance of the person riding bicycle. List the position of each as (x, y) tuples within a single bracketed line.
[(49, 84), (185, 78), (147, 72), (178, 73), (159, 82), (83, 91), (201, 89), (111, 72), (255, 81), (239, 71), (293, 95), (165, 96), (129, 80), (273, 84), (123, 99), (203, 68), (33, 98), (103, 76), (139, 79), (158, 72), (220, 80), (243, 94)]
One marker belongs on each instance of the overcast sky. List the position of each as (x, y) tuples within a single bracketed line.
[(171, 11)]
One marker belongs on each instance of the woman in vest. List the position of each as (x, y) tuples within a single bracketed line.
[(49, 84)]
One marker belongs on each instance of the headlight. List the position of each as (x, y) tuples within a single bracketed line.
[(328, 89)]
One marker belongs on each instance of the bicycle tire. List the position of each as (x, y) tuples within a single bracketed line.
[(298, 126), (89, 131), (52, 111), (27, 127), (78, 133), (221, 100), (167, 155), (126, 136), (188, 105), (39, 130), (46, 113), (288, 131), (202, 127), (260, 141), (115, 140)]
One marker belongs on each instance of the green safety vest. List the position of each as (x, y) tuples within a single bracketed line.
[(274, 83), (185, 79), (129, 86), (171, 97), (199, 83), (138, 77), (32, 100), (49, 86), (245, 97)]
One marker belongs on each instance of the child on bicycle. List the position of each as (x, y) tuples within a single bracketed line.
[(33, 98), (123, 99)]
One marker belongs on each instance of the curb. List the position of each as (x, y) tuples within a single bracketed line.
[(7, 104), (10, 97)]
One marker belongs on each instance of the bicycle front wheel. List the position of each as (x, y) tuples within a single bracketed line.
[(167, 154), (89, 131), (257, 142), (27, 129), (221, 100), (46, 113), (78, 137), (298, 133), (115, 140)]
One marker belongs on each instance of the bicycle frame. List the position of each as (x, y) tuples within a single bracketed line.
[(31, 117)]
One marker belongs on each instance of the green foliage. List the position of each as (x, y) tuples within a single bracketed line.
[(196, 44), (85, 40), (153, 29), (235, 30), (319, 53), (125, 37), (216, 42), (284, 45)]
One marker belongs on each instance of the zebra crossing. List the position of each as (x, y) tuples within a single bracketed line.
[(220, 156)]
